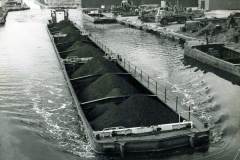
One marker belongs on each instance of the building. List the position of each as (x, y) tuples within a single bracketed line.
[(2, 2), (98, 3), (183, 3), (62, 3), (219, 4)]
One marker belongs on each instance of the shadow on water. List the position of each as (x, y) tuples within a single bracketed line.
[(207, 68)]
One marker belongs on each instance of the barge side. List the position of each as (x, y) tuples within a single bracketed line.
[(215, 55)]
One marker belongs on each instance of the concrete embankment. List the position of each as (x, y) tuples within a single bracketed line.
[(154, 28)]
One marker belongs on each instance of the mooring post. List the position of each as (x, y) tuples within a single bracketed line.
[(141, 75), (179, 117), (124, 62), (177, 104), (165, 95)]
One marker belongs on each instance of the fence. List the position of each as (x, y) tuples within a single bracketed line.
[(162, 91)]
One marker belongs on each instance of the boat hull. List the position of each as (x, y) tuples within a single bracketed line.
[(101, 20), (193, 52)]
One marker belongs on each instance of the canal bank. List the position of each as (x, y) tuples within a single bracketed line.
[(168, 32)]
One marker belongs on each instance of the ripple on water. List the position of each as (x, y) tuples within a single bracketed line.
[(62, 124)]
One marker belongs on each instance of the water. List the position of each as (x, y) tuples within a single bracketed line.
[(37, 117)]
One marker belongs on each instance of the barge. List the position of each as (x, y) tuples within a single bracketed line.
[(215, 55), (3, 16), (119, 114), (13, 5), (98, 18)]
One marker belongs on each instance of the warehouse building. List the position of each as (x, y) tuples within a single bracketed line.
[(219, 4)]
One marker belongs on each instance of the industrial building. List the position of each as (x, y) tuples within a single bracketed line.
[(94, 3), (183, 3), (219, 4), (55, 3)]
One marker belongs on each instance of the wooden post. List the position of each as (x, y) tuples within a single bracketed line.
[(141, 75), (124, 62), (135, 71), (129, 66)]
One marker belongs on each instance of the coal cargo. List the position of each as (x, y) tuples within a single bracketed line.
[(98, 65), (136, 111), (105, 85)]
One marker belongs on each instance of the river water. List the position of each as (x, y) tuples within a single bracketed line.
[(37, 117)]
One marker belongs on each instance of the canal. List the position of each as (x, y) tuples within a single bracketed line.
[(37, 118)]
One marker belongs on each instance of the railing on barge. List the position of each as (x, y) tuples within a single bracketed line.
[(161, 91)]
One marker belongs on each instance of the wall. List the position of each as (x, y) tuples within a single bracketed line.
[(224, 4), (98, 3), (220, 4)]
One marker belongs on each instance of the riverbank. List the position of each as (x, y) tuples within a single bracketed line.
[(169, 32)]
